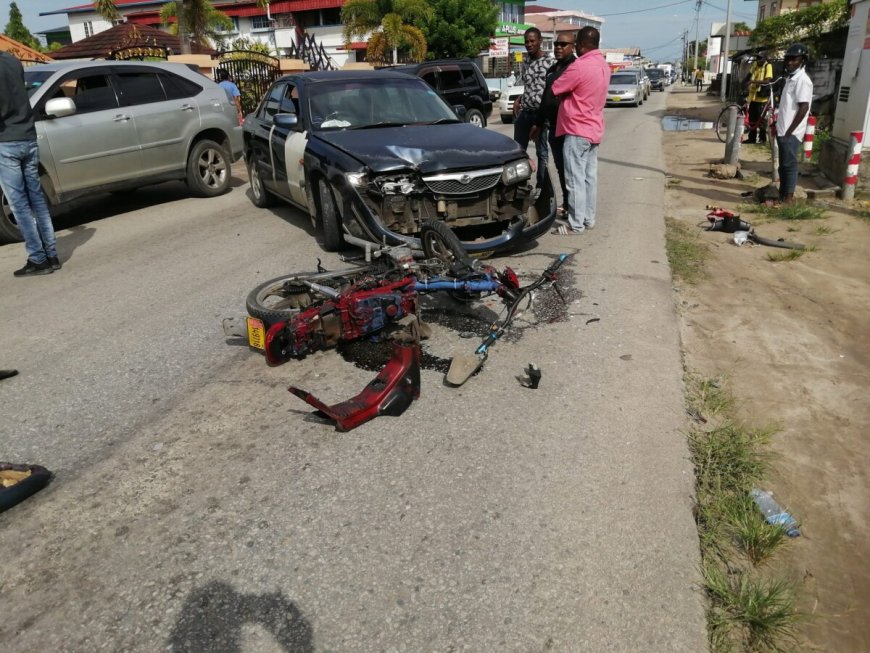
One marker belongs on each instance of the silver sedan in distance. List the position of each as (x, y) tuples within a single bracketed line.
[(624, 88)]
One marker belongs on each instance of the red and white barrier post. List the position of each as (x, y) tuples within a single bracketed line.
[(808, 138), (851, 178)]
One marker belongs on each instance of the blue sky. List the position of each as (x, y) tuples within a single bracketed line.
[(655, 26)]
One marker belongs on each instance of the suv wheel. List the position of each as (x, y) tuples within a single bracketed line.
[(9, 232), (208, 169), (475, 117)]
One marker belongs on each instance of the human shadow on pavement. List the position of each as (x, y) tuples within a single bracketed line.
[(69, 240), (213, 616)]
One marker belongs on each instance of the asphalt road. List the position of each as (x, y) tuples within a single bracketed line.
[(198, 507)]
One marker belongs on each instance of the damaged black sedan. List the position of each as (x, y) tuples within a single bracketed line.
[(373, 155)]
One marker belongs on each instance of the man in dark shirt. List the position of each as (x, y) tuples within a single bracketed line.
[(19, 171), (563, 49), (526, 106)]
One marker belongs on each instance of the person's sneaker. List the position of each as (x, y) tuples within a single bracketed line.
[(54, 262), (30, 268)]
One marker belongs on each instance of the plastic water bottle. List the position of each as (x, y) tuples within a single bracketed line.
[(774, 513)]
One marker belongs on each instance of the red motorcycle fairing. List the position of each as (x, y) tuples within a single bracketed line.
[(389, 393)]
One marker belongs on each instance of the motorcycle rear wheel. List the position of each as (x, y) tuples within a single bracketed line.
[(281, 298)]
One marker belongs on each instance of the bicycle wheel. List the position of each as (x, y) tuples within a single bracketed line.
[(279, 299)]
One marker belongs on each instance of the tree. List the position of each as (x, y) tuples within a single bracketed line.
[(460, 29), (197, 25), (740, 28), (201, 23), (807, 25), (15, 28), (385, 19)]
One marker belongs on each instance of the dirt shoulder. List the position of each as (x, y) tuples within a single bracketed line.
[(793, 339)]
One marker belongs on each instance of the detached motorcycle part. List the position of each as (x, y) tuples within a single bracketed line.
[(440, 242), (389, 393)]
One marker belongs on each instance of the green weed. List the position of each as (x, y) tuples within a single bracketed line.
[(686, 252), (787, 255)]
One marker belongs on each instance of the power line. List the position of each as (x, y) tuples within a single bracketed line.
[(638, 11)]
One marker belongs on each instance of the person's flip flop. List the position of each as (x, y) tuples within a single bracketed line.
[(563, 230)]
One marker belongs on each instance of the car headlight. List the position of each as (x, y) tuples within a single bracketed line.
[(356, 179), (516, 172)]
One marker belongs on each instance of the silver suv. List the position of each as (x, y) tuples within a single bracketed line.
[(114, 125)]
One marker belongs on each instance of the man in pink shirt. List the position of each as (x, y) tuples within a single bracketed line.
[(583, 89)]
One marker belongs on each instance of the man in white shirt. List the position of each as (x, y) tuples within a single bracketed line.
[(791, 123)]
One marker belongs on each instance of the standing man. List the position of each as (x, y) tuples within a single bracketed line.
[(19, 171), (699, 79), (232, 91), (761, 72), (527, 105), (545, 118), (583, 88), (791, 124)]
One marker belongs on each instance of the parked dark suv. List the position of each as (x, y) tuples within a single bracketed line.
[(460, 82)]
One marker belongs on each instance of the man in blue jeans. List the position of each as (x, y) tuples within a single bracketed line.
[(791, 124), (19, 171)]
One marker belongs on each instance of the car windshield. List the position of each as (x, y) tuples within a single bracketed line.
[(654, 73), (33, 79), (353, 104), (623, 79)]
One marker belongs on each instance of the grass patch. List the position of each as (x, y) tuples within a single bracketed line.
[(687, 253), (788, 255), (751, 614), (788, 212), (755, 538), (749, 610), (822, 230)]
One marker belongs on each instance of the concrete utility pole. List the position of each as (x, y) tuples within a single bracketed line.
[(697, 29), (722, 91)]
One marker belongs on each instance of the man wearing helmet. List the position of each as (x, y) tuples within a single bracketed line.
[(761, 72), (791, 124)]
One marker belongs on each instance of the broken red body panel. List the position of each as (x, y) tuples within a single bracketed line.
[(389, 393)]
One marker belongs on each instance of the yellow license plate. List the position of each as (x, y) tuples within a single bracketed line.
[(616, 99), (256, 333)]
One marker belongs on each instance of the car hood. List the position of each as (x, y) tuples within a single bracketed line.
[(427, 148), (622, 87)]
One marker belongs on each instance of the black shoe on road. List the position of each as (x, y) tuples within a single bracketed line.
[(31, 269), (5, 374), (54, 262)]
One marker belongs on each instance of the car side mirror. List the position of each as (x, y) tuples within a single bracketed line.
[(60, 107), (286, 120), (459, 110)]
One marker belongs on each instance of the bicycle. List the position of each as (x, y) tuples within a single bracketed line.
[(766, 118)]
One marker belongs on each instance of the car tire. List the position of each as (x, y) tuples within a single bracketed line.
[(330, 220), (208, 169), (507, 120), (260, 197), (9, 232), (475, 117)]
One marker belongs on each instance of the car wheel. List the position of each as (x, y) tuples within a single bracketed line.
[(329, 218), (260, 197), (9, 232), (208, 169), (507, 120), (475, 117)]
